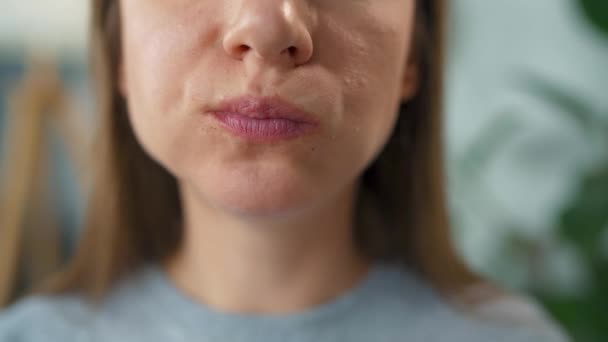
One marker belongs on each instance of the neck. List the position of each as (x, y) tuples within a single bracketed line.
[(238, 264)]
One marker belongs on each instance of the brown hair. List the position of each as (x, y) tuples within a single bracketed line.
[(134, 206)]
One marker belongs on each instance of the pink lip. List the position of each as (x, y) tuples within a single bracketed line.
[(264, 119)]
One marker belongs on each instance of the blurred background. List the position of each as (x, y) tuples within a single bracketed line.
[(526, 141)]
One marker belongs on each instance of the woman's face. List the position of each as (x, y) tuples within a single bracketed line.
[(343, 62)]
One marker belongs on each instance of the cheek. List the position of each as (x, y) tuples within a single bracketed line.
[(157, 61), (369, 61), (153, 65), (161, 44), (149, 98)]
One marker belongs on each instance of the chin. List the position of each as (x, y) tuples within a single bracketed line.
[(266, 195), (267, 205)]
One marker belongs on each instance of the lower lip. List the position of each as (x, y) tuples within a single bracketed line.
[(263, 130)]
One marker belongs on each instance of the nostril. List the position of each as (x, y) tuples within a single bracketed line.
[(292, 51), (239, 51), (242, 49)]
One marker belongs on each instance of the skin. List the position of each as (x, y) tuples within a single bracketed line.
[(267, 226)]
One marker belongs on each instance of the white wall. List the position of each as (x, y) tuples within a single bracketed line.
[(493, 43), (51, 25)]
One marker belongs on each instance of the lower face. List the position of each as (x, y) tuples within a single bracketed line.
[(178, 61)]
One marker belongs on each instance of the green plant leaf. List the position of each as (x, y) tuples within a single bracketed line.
[(597, 13), (585, 219), (584, 318)]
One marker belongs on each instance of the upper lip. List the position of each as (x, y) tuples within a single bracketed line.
[(264, 108)]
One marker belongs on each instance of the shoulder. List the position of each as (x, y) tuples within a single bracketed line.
[(42, 318), (77, 317), (509, 310), (410, 304)]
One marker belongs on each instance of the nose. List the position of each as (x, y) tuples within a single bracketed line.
[(276, 31)]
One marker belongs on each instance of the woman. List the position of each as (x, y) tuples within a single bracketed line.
[(269, 170)]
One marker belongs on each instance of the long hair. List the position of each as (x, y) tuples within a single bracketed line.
[(134, 207)]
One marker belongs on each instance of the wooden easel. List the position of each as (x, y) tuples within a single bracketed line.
[(29, 231)]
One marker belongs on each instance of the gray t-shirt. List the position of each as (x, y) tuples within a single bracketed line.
[(391, 304)]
